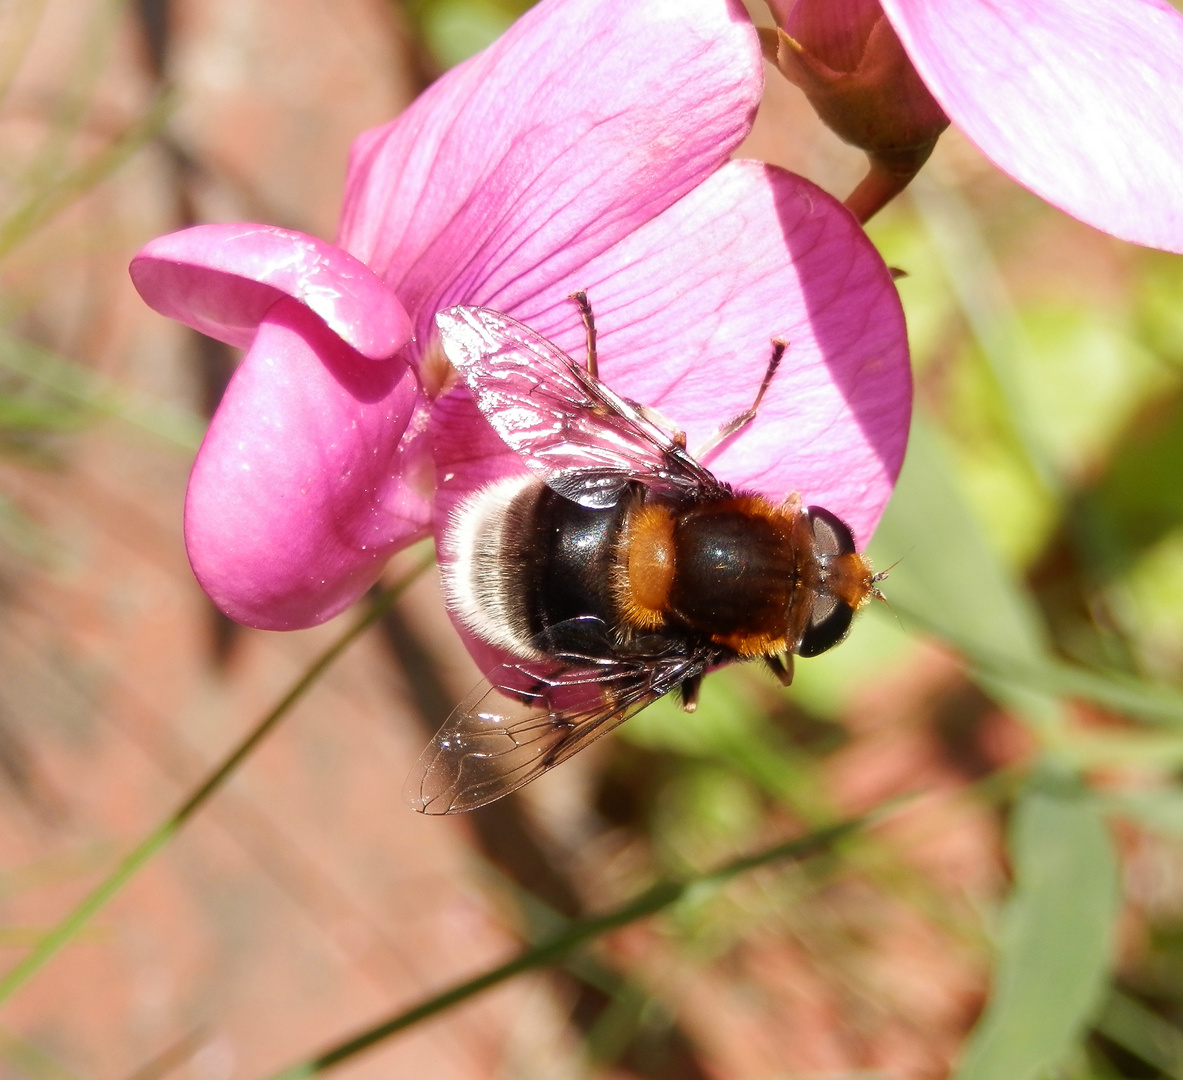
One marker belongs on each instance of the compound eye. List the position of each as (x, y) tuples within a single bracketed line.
[(831, 535), (828, 624), (831, 617)]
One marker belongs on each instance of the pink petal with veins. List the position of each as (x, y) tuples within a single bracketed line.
[(686, 309), (585, 120), (589, 118), (1079, 100), (222, 279), (508, 172), (302, 488)]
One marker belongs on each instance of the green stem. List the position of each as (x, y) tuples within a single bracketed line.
[(48, 196), (887, 175), (143, 852), (558, 945), (1136, 698)]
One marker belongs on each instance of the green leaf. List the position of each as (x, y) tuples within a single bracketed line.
[(1118, 749), (1086, 376), (1117, 691), (20, 415), (1139, 499), (556, 947), (950, 577), (1054, 949), (1127, 1022), (46, 198), (454, 30), (1158, 809), (151, 845), (950, 582), (1159, 304), (731, 726), (79, 386), (987, 306)]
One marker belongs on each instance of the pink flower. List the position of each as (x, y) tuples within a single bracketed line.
[(586, 149), (1079, 100)]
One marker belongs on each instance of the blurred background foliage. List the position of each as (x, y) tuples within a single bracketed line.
[(1020, 915)]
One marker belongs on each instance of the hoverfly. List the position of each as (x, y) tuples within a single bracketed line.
[(616, 570)]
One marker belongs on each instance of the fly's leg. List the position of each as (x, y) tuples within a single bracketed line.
[(589, 323), (677, 436), (782, 669), (744, 418), (689, 692)]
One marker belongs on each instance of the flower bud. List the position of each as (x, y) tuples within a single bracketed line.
[(847, 59)]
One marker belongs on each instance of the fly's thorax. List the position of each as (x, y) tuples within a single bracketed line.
[(737, 568), (720, 568), (754, 577)]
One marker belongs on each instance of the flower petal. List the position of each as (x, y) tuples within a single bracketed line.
[(1079, 100), (687, 308), (586, 119), (221, 280), (303, 487)]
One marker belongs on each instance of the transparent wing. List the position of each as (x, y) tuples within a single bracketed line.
[(583, 440), (525, 719)]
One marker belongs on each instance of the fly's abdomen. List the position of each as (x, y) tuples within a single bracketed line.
[(572, 551)]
